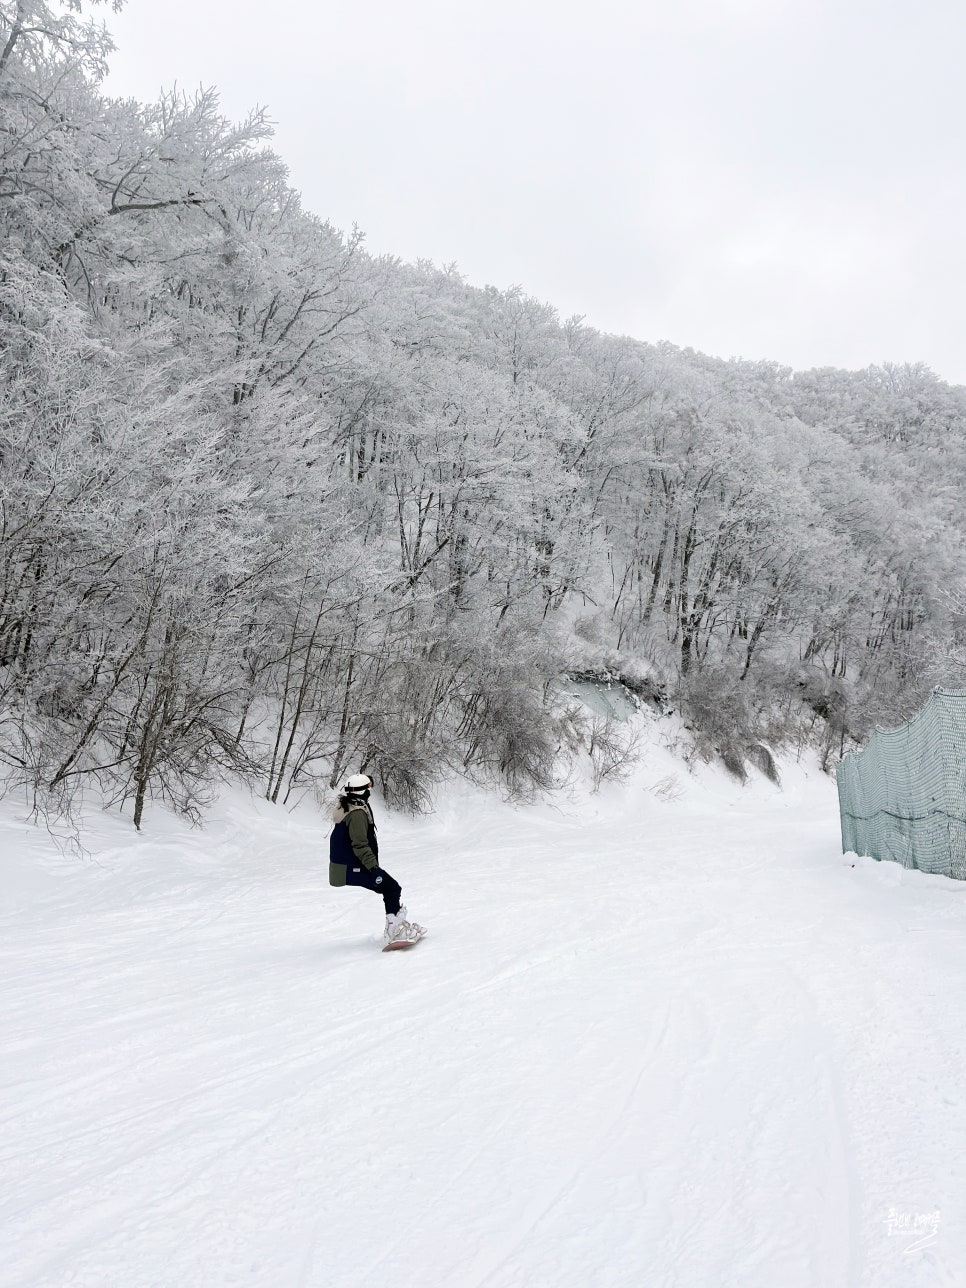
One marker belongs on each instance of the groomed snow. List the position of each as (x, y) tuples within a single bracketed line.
[(667, 1036)]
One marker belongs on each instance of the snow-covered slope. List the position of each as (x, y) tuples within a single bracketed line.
[(663, 1036)]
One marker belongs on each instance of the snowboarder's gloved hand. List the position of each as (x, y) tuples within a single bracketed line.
[(377, 875)]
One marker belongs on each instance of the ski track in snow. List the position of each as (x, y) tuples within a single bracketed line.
[(656, 1044)]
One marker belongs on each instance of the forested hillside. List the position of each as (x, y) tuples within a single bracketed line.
[(274, 507)]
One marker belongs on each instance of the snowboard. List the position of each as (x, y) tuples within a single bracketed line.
[(404, 943)]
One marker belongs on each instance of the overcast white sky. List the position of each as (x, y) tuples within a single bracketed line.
[(759, 178)]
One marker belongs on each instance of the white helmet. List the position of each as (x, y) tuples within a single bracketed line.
[(358, 784)]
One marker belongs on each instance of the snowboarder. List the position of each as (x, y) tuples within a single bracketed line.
[(354, 859)]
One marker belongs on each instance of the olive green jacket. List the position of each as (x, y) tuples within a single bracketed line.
[(360, 819)]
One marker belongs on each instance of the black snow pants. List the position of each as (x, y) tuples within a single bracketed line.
[(391, 891)]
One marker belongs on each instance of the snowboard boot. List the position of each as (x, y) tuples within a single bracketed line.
[(399, 927)]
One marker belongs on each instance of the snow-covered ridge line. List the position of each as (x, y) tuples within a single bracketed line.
[(274, 507)]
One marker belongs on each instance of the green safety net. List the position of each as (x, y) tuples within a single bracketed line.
[(903, 796)]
